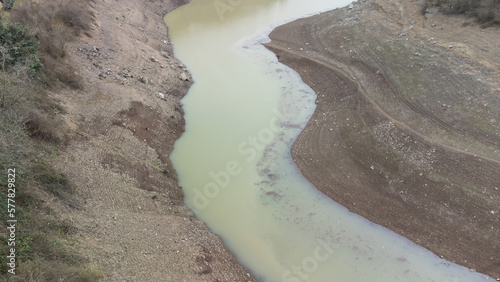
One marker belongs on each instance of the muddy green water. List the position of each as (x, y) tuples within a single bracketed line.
[(242, 115)]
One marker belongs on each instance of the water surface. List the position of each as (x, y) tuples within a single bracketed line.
[(242, 115)]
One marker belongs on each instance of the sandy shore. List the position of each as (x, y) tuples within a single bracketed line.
[(406, 130)]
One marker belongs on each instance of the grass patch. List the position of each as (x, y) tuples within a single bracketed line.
[(55, 182)]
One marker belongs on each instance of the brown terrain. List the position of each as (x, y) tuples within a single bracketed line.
[(131, 223), (406, 132)]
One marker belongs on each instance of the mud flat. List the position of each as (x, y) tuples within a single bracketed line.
[(406, 130)]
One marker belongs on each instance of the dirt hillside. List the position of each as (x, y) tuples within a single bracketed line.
[(132, 223), (406, 130)]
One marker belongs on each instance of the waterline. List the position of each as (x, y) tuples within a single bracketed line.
[(242, 116)]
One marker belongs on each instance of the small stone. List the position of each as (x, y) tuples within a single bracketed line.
[(161, 96), (184, 77)]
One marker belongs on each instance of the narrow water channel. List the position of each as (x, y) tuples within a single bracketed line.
[(242, 115)]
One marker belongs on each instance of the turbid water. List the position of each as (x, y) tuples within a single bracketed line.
[(242, 115)]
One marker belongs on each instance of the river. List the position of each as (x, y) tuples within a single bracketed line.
[(242, 115)]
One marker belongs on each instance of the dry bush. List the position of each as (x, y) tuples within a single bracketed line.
[(43, 127), (486, 12), (75, 14), (46, 15), (55, 23)]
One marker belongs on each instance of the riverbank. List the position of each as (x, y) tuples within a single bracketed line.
[(132, 224), (405, 132)]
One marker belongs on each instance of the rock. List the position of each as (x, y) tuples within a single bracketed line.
[(144, 79), (351, 6), (184, 77), (161, 96), (154, 60), (165, 54)]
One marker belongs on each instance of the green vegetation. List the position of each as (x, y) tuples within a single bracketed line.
[(31, 135), (486, 12), (7, 4), (18, 46)]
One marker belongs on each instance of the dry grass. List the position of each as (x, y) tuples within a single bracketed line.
[(55, 23), (43, 127), (29, 125)]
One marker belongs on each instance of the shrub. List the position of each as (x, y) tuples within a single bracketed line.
[(75, 14), (485, 12), (39, 125), (55, 182), (18, 45), (7, 4)]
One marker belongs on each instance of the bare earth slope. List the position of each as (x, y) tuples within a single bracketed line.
[(132, 223), (406, 130)]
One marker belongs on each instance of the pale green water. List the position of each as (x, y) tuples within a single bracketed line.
[(242, 115)]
